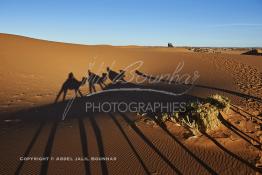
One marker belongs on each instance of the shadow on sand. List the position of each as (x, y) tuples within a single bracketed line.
[(149, 77), (53, 113)]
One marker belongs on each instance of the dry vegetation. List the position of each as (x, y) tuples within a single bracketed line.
[(200, 116)]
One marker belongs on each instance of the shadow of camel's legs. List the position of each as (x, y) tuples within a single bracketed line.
[(64, 95), (249, 117), (30, 146), (149, 143), (58, 95), (84, 144), (232, 154), (239, 132), (100, 84), (76, 93), (99, 143), (94, 88), (163, 126), (129, 142), (48, 148), (90, 88), (80, 93)]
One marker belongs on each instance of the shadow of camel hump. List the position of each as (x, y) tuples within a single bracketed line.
[(71, 83), (115, 76), (94, 79), (111, 94)]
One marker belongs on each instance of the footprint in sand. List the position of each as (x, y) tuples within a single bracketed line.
[(43, 95), (18, 95), (38, 95), (246, 77)]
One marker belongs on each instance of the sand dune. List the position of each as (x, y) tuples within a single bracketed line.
[(32, 72)]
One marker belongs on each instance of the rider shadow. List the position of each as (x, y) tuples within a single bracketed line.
[(71, 83), (94, 79), (117, 92)]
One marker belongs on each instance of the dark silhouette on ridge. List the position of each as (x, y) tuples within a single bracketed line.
[(94, 79), (71, 84), (170, 45), (114, 76)]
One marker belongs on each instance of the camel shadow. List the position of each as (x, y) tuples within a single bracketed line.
[(117, 93), (246, 96), (94, 79), (71, 83), (52, 114)]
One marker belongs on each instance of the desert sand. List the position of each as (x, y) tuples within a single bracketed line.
[(32, 72)]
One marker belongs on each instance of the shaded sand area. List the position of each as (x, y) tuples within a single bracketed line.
[(32, 72)]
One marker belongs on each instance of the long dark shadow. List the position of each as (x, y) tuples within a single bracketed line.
[(239, 132), (99, 143), (130, 143), (235, 108), (48, 148), (208, 168), (30, 146), (148, 142), (232, 154), (84, 144), (200, 86)]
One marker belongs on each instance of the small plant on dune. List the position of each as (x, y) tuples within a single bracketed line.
[(191, 125), (221, 102), (165, 117), (201, 117), (207, 116), (174, 117)]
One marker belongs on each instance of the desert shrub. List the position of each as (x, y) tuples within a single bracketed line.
[(198, 116), (221, 102), (206, 116), (165, 117), (201, 116)]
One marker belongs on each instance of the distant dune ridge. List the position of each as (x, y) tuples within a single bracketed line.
[(32, 72)]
